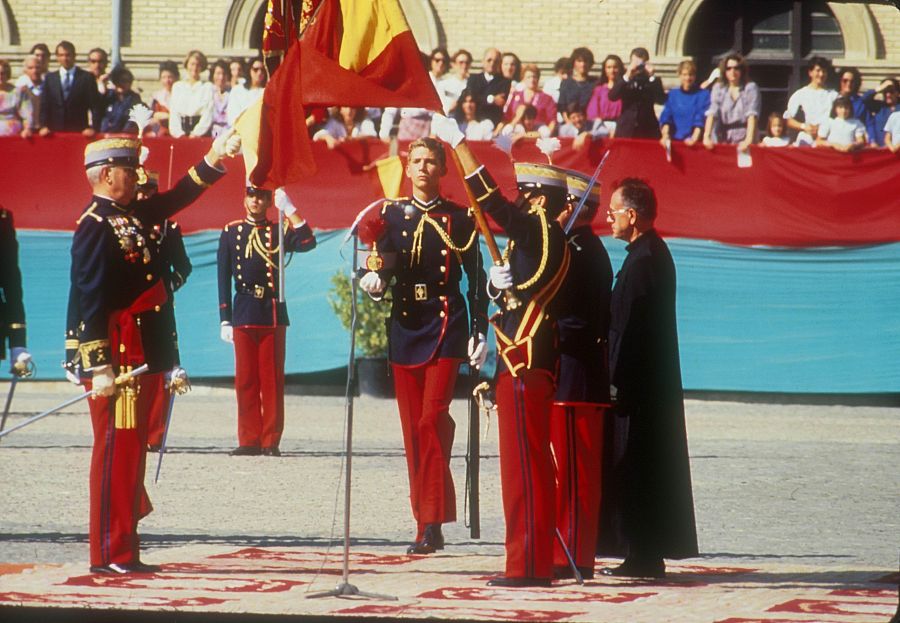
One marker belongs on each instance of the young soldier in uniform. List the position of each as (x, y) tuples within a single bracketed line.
[(582, 393), (254, 321), (163, 349), (434, 241), (12, 310), (537, 258), (116, 281)]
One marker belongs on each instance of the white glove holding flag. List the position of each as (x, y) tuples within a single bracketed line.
[(226, 333), (447, 130), (284, 203), (501, 277), (372, 284), (477, 351), (104, 382)]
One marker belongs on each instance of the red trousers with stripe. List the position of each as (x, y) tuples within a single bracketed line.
[(576, 434), (118, 499), (259, 384), (154, 386), (527, 472), (423, 399)]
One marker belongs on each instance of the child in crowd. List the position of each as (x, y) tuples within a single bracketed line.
[(892, 132), (528, 125), (842, 131), (119, 101), (775, 132)]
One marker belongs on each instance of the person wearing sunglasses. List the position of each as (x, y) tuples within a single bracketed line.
[(733, 114), (242, 96)]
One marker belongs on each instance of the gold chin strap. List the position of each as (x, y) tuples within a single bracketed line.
[(419, 234), (255, 243)]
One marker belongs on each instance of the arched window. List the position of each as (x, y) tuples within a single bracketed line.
[(776, 36)]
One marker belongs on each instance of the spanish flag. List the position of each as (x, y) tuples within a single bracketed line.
[(351, 53)]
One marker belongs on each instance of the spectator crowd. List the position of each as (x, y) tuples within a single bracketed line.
[(506, 98)]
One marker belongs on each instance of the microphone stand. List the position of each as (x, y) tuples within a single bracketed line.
[(345, 588)]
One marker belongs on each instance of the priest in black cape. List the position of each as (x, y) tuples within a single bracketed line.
[(647, 509)]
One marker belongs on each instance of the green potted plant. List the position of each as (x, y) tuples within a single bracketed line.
[(371, 335)]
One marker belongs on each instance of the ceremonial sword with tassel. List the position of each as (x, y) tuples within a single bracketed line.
[(122, 378)]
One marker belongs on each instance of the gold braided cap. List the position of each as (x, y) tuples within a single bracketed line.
[(578, 183), (543, 174)]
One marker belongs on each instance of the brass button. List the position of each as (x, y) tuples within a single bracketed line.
[(238, 236), (149, 277), (156, 308), (443, 251), (405, 298), (404, 234), (442, 297), (442, 314), (405, 314), (238, 247), (444, 219), (239, 277), (240, 228), (238, 266), (443, 269)]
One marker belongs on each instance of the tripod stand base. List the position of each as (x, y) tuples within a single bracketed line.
[(345, 589)]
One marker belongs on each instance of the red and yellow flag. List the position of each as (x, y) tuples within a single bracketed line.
[(351, 53)]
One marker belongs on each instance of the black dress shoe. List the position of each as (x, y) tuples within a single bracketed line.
[(566, 573), (631, 568), (432, 540), (271, 451), (245, 451), (154, 448), (142, 567), (110, 569), (505, 582), (114, 568)]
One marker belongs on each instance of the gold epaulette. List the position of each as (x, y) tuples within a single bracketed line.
[(90, 212), (237, 222), (394, 202)]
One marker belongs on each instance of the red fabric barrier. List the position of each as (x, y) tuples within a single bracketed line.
[(790, 197)]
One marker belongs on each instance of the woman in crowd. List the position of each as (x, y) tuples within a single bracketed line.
[(734, 106), (159, 101), (16, 112), (439, 73), (119, 101), (237, 72), (842, 131), (455, 81), (191, 106), (683, 116), (511, 69), (639, 90), (530, 94), (468, 118), (600, 107), (220, 79), (243, 96), (849, 83), (562, 69), (343, 124), (892, 132), (889, 89), (579, 86)]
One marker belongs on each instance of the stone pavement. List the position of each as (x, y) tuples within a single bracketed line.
[(797, 513)]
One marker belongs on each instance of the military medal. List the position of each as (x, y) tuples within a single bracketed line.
[(369, 232), (374, 261)]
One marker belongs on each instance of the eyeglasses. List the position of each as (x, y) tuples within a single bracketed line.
[(613, 213)]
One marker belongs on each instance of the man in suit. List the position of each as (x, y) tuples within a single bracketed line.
[(489, 88), (69, 95)]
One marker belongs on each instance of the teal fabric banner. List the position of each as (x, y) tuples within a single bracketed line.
[(822, 320)]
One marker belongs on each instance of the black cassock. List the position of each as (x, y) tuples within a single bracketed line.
[(647, 506)]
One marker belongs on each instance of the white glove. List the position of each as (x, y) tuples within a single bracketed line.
[(447, 130), (501, 277), (372, 283), (227, 144), (104, 381), (19, 360), (284, 203), (477, 351), (227, 333), (72, 377)]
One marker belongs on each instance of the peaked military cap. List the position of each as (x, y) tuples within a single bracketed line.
[(118, 151)]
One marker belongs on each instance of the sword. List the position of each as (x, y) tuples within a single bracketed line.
[(162, 447), (9, 397), (587, 193), (578, 577), (122, 378)]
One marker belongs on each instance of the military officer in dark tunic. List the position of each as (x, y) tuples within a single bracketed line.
[(434, 241), (116, 285), (254, 321), (537, 260), (647, 502), (582, 394), (164, 348), (12, 309)]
